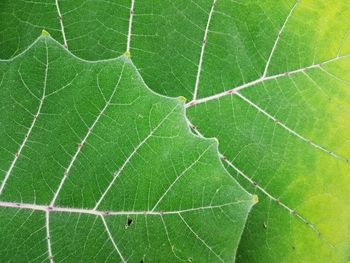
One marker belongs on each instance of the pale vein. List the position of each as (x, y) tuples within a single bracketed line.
[(65, 43), (90, 130), (261, 80), (119, 171), (179, 177), (279, 37), (26, 136), (200, 239), (112, 240), (128, 44), (199, 70), (45, 208), (48, 236), (290, 210)]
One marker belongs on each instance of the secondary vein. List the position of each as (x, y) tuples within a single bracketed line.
[(65, 43), (26, 136), (204, 42)]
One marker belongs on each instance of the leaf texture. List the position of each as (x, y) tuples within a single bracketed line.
[(269, 79), (95, 167)]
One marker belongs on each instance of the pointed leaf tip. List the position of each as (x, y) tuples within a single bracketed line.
[(127, 54), (182, 99), (44, 33), (255, 199)]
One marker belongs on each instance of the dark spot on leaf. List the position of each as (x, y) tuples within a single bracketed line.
[(265, 225), (142, 260), (128, 222)]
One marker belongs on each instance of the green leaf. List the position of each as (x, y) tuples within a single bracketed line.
[(285, 135), (95, 167), (165, 38), (269, 79)]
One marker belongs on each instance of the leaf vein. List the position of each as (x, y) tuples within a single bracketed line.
[(80, 146), (60, 17), (26, 136), (112, 239), (201, 57), (128, 159)]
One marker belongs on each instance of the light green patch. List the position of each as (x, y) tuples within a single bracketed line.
[(127, 54), (44, 33), (182, 99), (255, 199)]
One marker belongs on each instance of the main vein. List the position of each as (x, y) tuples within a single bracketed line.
[(261, 80), (128, 43), (274, 119), (205, 37), (236, 90), (60, 17), (50, 209)]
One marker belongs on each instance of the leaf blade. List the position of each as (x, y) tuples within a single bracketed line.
[(99, 129)]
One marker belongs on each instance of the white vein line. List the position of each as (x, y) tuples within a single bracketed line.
[(23, 52), (205, 37), (80, 146), (26, 86), (260, 80), (200, 239), (48, 236), (26, 136), (45, 208), (335, 76), (290, 130), (128, 43), (291, 211), (279, 37), (119, 171), (179, 177), (112, 240), (65, 43)]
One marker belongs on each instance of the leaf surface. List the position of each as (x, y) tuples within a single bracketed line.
[(96, 167), (285, 136), (269, 79)]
